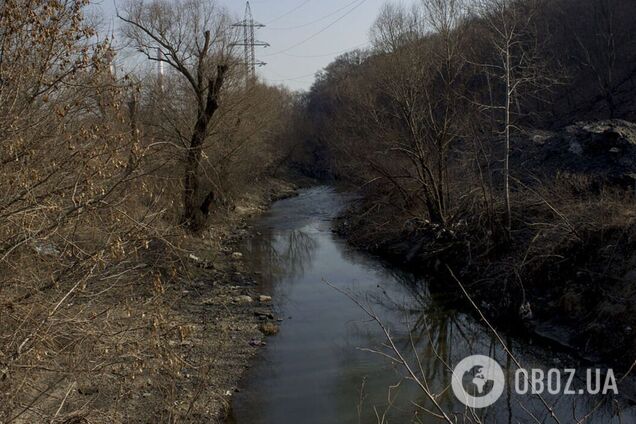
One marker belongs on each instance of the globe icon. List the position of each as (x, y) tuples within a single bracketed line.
[(478, 381)]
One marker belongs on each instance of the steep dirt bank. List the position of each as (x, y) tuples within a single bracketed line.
[(569, 273)]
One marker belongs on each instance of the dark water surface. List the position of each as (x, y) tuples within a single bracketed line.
[(319, 368)]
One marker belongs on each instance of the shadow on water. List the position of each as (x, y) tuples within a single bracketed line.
[(320, 368)]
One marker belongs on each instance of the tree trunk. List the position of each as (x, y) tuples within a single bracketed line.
[(509, 93), (194, 212)]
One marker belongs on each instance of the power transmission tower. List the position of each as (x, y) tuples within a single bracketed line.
[(249, 44)]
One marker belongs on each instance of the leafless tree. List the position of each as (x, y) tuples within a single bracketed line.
[(518, 68), (601, 36), (395, 27), (194, 38), (420, 85)]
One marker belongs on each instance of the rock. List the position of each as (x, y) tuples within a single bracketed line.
[(540, 137), (630, 276), (269, 329), (237, 255), (257, 343), (575, 147), (243, 299), (525, 311), (263, 314), (200, 262), (262, 298), (46, 249), (605, 151), (88, 390)]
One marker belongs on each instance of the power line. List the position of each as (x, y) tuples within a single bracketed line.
[(327, 54), (361, 2), (317, 20), (313, 74), (284, 15)]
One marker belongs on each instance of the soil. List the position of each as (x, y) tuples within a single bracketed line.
[(227, 319), (170, 350)]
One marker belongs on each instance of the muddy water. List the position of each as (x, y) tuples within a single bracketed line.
[(324, 365)]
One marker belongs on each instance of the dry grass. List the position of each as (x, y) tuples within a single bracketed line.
[(154, 338), (102, 312)]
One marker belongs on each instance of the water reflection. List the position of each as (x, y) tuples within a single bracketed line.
[(281, 255), (320, 368), (433, 338)]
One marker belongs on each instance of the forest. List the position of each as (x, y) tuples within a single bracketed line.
[(491, 143), (494, 142)]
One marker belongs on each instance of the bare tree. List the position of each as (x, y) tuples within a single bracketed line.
[(395, 27), (420, 85), (193, 37), (517, 66), (601, 36)]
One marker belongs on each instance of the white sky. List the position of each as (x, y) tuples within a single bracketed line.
[(305, 35)]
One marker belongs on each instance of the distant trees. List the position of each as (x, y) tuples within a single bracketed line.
[(394, 114), (428, 116), (402, 109), (602, 39), (396, 27), (592, 42)]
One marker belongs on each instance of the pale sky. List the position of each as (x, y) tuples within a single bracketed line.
[(305, 35)]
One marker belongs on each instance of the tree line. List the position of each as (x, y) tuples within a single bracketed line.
[(461, 126), (429, 113)]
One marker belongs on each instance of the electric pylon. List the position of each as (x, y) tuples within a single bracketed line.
[(249, 44)]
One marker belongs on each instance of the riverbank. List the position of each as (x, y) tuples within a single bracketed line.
[(567, 275), (226, 316), (165, 341), (570, 299), (329, 341)]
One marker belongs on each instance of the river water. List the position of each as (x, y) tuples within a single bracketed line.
[(327, 365)]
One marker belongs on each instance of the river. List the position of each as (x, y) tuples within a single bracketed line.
[(326, 365)]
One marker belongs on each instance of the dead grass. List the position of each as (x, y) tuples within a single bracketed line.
[(150, 337)]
